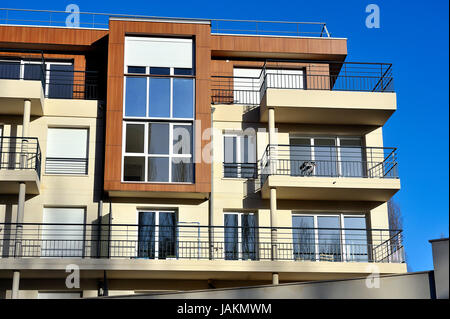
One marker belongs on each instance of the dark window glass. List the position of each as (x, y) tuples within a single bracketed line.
[(34, 71), (231, 237), (159, 97), (135, 96), (183, 71), (182, 170), (60, 84), (182, 139), (304, 238), (159, 71), (9, 70), (134, 138), (167, 236), (158, 169), (136, 69), (329, 238), (183, 98), (146, 235), (158, 138), (248, 235), (134, 169)]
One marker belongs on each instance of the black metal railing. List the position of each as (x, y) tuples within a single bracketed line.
[(20, 153), (329, 161), (58, 81), (201, 242), (240, 170), (304, 75)]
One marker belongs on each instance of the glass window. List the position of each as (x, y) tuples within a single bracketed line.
[(329, 237), (239, 156), (136, 69), (159, 71), (135, 96), (60, 84), (158, 169), (183, 98), (159, 97), (157, 236), (9, 70), (158, 138), (183, 71), (240, 236), (134, 142), (304, 237), (182, 170), (33, 71), (134, 169), (182, 139), (356, 246), (300, 157), (351, 158)]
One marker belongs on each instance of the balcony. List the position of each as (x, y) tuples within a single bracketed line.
[(306, 172), (319, 92), (20, 161), (32, 78), (189, 242)]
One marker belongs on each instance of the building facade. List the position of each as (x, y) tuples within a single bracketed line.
[(167, 154)]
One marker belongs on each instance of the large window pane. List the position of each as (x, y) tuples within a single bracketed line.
[(304, 237), (134, 169), (135, 138), (183, 98), (351, 158), (167, 236), (61, 81), (182, 139), (158, 169), (9, 70), (33, 71), (248, 234), (325, 155), (300, 157), (159, 97), (135, 96), (329, 238), (146, 235), (231, 236), (182, 170), (356, 239), (230, 156), (158, 138)]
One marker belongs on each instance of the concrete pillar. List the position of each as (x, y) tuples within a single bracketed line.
[(273, 223), (26, 117), (275, 278), (15, 285)]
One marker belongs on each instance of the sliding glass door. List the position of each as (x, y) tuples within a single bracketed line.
[(240, 236), (157, 235)]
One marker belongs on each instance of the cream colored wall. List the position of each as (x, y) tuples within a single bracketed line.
[(231, 194), (58, 190)]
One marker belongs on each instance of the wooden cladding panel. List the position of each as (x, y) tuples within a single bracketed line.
[(114, 118)]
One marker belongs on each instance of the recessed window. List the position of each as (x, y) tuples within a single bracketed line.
[(67, 151), (240, 236), (239, 156)]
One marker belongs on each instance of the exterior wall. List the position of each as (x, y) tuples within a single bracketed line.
[(60, 190)]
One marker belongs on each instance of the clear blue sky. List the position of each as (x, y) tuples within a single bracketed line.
[(413, 35)]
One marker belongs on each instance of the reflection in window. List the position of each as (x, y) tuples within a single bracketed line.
[(135, 96), (240, 236), (159, 97), (304, 237), (134, 169), (183, 98)]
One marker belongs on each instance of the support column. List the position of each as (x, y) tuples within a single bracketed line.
[(273, 191), (275, 279), (22, 193), (273, 223)]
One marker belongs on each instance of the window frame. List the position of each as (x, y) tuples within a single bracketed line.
[(344, 256), (239, 138), (239, 241), (146, 155)]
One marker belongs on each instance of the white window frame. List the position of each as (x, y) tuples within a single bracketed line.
[(156, 211), (239, 137), (341, 228), (146, 155), (147, 75)]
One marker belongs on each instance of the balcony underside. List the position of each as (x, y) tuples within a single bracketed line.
[(192, 269), (10, 179), (14, 92), (329, 188), (328, 107)]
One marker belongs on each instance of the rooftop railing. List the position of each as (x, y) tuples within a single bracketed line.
[(10, 16), (200, 242), (302, 75), (329, 161), (20, 153)]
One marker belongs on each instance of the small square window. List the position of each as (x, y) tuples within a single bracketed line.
[(160, 71), (183, 71), (136, 69), (134, 169)]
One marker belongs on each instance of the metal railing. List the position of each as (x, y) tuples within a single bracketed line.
[(11, 16), (58, 81), (20, 153), (240, 170), (194, 242), (329, 161), (302, 75)]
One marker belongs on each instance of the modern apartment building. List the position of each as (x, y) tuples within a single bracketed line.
[(158, 154)]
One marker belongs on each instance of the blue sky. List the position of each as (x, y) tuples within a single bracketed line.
[(413, 35)]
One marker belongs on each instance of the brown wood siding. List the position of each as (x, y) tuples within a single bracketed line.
[(113, 141)]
